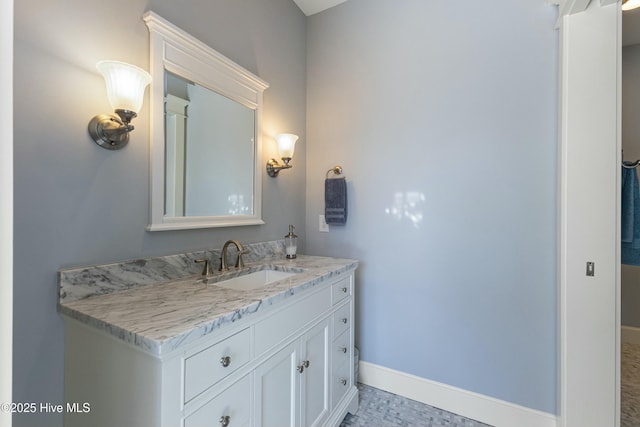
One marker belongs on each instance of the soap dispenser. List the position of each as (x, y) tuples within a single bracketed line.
[(291, 243)]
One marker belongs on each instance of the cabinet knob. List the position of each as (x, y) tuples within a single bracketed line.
[(343, 349), (344, 290), (344, 320), (224, 420), (225, 361), (303, 365), (343, 381)]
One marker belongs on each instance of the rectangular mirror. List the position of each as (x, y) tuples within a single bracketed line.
[(209, 138), (205, 134)]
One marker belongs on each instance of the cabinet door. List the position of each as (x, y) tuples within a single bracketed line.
[(277, 386), (314, 379)]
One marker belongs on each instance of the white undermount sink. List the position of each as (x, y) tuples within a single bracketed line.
[(253, 280)]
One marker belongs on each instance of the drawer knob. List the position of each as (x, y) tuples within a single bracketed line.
[(225, 361), (343, 349), (343, 381), (224, 420), (344, 320)]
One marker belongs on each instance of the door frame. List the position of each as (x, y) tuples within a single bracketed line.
[(6, 205), (589, 180)]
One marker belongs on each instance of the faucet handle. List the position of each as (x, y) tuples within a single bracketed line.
[(239, 261), (207, 270)]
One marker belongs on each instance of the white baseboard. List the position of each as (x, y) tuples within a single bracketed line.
[(630, 334), (471, 405)]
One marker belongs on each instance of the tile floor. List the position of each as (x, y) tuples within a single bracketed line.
[(630, 385), (381, 409)]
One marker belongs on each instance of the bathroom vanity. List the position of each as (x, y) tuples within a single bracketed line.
[(219, 352)]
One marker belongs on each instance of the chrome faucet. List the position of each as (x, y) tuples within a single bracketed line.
[(223, 255)]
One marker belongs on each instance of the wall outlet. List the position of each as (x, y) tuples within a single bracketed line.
[(323, 226)]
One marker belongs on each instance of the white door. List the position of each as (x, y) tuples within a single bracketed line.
[(277, 385), (589, 207)]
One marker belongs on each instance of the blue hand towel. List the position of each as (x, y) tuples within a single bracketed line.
[(335, 201), (629, 190), (630, 221)]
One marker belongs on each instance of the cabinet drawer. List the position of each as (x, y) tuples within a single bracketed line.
[(340, 383), (234, 403), (204, 369), (285, 322), (341, 289), (342, 319), (341, 348)]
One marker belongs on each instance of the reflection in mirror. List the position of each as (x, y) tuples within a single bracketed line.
[(205, 134), (209, 138)]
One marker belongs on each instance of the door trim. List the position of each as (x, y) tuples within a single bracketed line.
[(589, 137), (6, 206)]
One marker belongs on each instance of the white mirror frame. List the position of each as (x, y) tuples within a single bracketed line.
[(178, 52)]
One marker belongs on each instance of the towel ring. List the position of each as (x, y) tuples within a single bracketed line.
[(336, 170), (629, 165)]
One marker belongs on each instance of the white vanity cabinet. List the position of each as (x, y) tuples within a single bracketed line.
[(290, 364)]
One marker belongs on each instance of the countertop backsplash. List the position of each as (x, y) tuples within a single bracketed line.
[(83, 282)]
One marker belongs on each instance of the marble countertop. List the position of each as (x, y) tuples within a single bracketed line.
[(161, 317)]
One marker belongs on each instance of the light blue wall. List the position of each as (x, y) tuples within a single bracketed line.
[(78, 204), (446, 110), (443, 115)]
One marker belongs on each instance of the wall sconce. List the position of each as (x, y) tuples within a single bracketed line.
[(125, 88), (630, 4), (286, 145)]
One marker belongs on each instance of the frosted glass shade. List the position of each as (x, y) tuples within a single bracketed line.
[(630, 4), (286, 144), (125, 84)]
